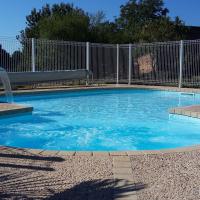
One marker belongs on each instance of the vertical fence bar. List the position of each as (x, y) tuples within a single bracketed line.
[(88, 56), (33, 54), (87, 60), (129, 64), (181, 64), (117, 82)]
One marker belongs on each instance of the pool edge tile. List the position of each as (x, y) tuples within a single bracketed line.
[(83, 153)]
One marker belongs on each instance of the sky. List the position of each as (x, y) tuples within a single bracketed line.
[(13, 12)]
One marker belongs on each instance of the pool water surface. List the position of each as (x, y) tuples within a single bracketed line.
[(102, 119)]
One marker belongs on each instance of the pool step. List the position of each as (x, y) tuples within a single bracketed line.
[(10, 109), (190, 111)]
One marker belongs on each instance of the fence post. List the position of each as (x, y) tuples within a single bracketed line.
[(87, 59), (33, 54), (117, 82), (129, 64), (181, 57), (88, 56)]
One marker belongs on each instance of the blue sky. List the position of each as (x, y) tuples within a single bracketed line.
[(13, 12)]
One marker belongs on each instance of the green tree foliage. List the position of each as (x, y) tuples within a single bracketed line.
[(72, 27), (139, 21), (59, 21), (147, 21)]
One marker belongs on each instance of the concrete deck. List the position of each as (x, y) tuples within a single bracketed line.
[(190, 111), (8, 109)]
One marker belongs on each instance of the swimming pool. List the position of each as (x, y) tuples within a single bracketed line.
[(102, 119)]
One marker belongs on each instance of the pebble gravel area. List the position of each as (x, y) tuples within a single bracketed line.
[(168, 176), (37, 174), (27, 175)]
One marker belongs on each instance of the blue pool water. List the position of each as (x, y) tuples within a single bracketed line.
[(102, 120)]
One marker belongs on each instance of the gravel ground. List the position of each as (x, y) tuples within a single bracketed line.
[(25, 174), (32, 176), (169, 176)]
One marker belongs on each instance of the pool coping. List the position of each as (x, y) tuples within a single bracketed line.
[(189, 111), (11, 109), (122, 153), (109, 153), (106, 86)]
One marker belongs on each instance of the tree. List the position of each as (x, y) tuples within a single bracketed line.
[(56, 22), (4, 58), (59, 21), (71, 27), (148, 20), (139, 21)]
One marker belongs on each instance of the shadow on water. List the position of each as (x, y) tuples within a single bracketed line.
[(52, 113)]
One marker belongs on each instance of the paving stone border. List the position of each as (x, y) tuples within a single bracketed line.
[(190, 111), (112, 153), (8, 109), (123, 174), (104, 86)]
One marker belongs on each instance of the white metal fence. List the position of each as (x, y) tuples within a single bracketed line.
[(168, 63)]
